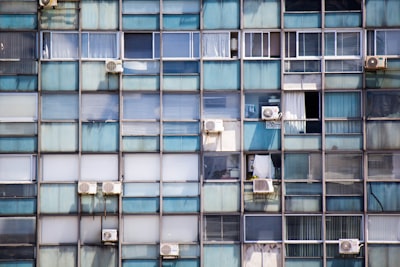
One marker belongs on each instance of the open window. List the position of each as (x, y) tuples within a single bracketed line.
[(262, 44)]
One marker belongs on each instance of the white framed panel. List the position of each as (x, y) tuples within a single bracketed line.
[(179, 229), (141, 229), (60, 229), (180, 167), (18, 107), (60, 167), (99, 167), (142, 167), (17, 168)]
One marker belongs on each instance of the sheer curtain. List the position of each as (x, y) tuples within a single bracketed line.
[(64, 45), (295, 110), (216, 45)]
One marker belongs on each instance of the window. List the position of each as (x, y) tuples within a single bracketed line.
[(304, 228), (262, 228), (343, 166), (220, 45), (221, 166), (384, 166), (262, 44), (100, 45), (383, 104), (303, 44), (343, 44), (383, 42), (221, 228), (344, 227), (342, 5), (299, 5), (18, 45)]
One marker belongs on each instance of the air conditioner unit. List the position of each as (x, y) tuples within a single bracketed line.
[(375, 63), (48, 3), (270, 113), (112, 188), (87, 188), (263, 186), (213, 126), (349, 246), (114, 66), (109, 235), (169, 250)]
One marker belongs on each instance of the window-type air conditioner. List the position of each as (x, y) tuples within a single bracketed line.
[(270, 113), (349, 246), (114, 66), (87, 188), (213, 126), (263, 186), (48, 3), (109, 235), (112, 188), (375, 62), (169, 250)]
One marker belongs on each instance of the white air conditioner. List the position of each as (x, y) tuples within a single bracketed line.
[(270, 113), (349, 246), (263, 186), (213, 126), (48, 3), (87, 188), (109, 235), (114, 66), (375, 62), (112, 188), (169, 250)]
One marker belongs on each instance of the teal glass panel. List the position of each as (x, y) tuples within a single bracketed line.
[(99, 203), (140, 205), (303, 263), (262, 74), (181, 83), (140, 143), (60, 76), (212, 255), (148, 83), (389, 78), (99, 14), (257, 137), (141, 67), (383, 197), (302, 20), (303, 203), (95, 78), (181, 22), (59, 137), (57, 256), (221, 14), (181, 143), (343, 81), (181, 263), (221, 75), (181, 127), (19, 83), (58, 198), (141, 22), (174, 204), (17, 264), (309, 142), (344, 203), (349, 103), (100, 137), (140, 263), (17, 206), (383, 255), (219, 197), (382, 13), (65, 16), (18, 144), (343, 20), (345, 262), (349, 142), (99, 256), (140, 251), (254, 14), (18, 22)]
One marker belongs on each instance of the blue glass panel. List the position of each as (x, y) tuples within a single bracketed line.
[(181, 67), (17, 264), (181, 127), (18, 144), (140, 143), (303, 263), (343, 105), (181, 82), (60, 107), (174, 204), (17, 206), (141, 22), (221, 75), (257, 137), (150, 83), (140, 263), (345, 262), (19, 83), (383, 197), (140, 205), (100, 137), (60, 76), (344, 204), (221, 14), (382, 13), (343, 20), (298, 20), (262, 75), (181, 143), (181, 263), (181, 22), (18, 21)]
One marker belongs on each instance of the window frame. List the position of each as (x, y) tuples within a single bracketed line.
[(335, 56), (231, 36), (374, 32)]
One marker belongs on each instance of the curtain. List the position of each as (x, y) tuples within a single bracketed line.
[(382, 13), (304, 228), (99, 14), (263, 166), (99, 45), (254, 14), (383, 255), (384, 228), (216, 45), (18, 45), (380, 135), (294, 110), (221, 14), (61, 45), (343, 227)]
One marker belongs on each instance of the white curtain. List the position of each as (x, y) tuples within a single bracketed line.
[(263, 166), (64, 45), (216, 45), (295, 110)]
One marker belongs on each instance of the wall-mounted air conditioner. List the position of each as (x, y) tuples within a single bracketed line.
[(48, 3), (87, 188), (169, 250), (270, 113), (349, 246), (109, 235), (112, 188), (375, 62), (263, 186), (213, 126), (114, 66)]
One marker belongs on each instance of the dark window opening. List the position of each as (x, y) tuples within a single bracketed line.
[(312, 112), (300, 5), (342, 5)]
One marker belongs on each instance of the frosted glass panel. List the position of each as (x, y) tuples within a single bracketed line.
[(57, 256), (100, 14), (17, 168), (99, 256), (60, 107), (179, 229), (221, 197), (180, 189), (383, 228), (141, 189), (134, 225), (60, 76), (182, 167), (10, 107), (60, 167), (59, 137), (95, 78), (230, 258), (50, 230), (143, 167), (99, 167), (58, 198)]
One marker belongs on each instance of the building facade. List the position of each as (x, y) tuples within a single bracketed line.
[(185, 133)]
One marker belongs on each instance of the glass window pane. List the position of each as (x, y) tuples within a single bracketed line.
[(17, 168), (383, 104), (59, 137), (344, 227), (58, 198), (138, 45), (384, 166), (10, 107), (181, 107), (143, 167), (65, 16), (218, 166), (383, 228), (99, 167), (221, 228), (221, 14), (60, 45), (50, 230), (99, 45), (60, 107), (262, 228), (231, 258), (141, 106), (99, 14), (217, 106), (99, 107), (179, 229), (380, 135), (101, 256), (21, 45), (303, 228), (383, 255), (134, 225), (180, 167), (219, 197), (57, 256), (216, 45), (343, 166)]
